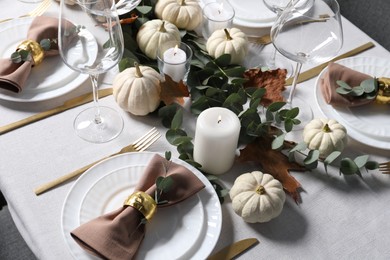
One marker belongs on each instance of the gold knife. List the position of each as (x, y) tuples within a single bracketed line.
[(234, 249), (311, 73), (74, 102)]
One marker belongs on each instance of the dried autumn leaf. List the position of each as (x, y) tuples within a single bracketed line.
[(272, 80), (132, 19), (273, 162), (172, 91)]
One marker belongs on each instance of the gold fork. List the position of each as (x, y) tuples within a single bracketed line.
[(384, 167), (263, 40), (39, 10), (139, 145)]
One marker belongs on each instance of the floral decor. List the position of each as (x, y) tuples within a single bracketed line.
[(217, 82)]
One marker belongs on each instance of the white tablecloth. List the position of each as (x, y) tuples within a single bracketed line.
[(340, 217)]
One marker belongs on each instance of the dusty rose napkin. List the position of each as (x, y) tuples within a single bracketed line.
[(328, 85), (13, 76), (117, 235)]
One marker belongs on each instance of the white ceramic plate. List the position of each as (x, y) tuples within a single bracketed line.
[(187, 230), (52, 78), (369, 124), (249, 13)]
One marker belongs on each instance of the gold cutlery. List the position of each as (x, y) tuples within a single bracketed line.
[(384, 167), (139, 145), (311, 73), (234, 249), (74, 102), (262, 40), (39, 10)]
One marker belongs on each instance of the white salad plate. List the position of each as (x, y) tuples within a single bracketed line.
[(368, 124), (189, 229), (52, 78)]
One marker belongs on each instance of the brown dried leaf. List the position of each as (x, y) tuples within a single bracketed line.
[(172, 91), (272, 80), (273, 162)]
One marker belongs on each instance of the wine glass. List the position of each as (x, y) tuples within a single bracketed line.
[(272, 60), (90, 41), (314, 35)]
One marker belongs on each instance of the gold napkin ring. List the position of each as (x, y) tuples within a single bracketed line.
[(142, 202), (34, 48), (383, 96)]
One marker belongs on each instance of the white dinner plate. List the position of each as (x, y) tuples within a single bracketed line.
[(368, 124), (187, 230), (52, 78)]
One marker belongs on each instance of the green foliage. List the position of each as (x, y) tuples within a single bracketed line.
[(367, 89)]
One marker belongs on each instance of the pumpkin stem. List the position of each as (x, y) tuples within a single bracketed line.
[(326, 129), (162, 27), (228, 37), (260, 189), (182, 2), (138, 72)]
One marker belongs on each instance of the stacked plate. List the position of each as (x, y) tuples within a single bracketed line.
[(368, 124)]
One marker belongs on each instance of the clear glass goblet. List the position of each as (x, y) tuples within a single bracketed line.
[(314, 35), (90, 41)]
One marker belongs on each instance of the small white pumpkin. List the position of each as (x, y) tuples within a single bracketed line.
[(325, 135), (257, 197), (228, 41), (155, 32), (137, 90), (185, 14)]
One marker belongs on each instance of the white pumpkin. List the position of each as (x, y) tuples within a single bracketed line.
[(185, 14), (257, 197), (155, 32), (325, 135), (137, 90), (228, 41)]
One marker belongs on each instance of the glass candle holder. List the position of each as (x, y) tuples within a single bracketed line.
[(217, 16), (174, 60)]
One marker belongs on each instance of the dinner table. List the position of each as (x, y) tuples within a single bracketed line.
[(339, 216)]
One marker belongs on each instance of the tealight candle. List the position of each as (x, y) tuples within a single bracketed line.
[(174, 60), (217, 16), (216, 139)]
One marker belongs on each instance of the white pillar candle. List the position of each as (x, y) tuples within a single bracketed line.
[(175, 63), (216, 139)]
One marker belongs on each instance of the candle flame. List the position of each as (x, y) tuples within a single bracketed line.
[(175, 50), (219, 119)]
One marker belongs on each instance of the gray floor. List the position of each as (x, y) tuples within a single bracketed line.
[(12, 245), (369, 16)]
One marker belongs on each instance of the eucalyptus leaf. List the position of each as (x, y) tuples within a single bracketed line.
[(343, 85), (278, 142), (368, 85), (168, 155), (299, 147), (361, 160), (223, 60), (16, 57), (312, 157), (343, 91), (372, 165), (275, 106), (292, 113), (288, 125), (177, 120), (164, 184), (45, 44), (172, 134), (144, 9), (348, 166), (357, 91)]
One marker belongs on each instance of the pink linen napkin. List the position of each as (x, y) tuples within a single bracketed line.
[(13, 76), (118, 234), (328, 85)]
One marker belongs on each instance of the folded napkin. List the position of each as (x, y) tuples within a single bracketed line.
[(13, 76), (117, 235), (353, 78)]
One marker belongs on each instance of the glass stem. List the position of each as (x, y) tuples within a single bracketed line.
[(94, 80), (295, 81), (273, 59)]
